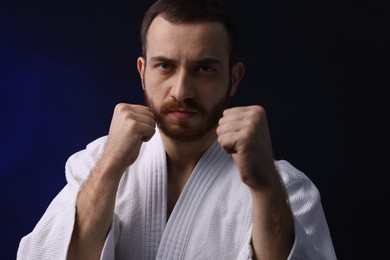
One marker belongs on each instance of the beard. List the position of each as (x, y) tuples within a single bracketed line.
[(185, 130)]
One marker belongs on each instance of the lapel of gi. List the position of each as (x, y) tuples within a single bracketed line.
[(183, 218), (155, 181)]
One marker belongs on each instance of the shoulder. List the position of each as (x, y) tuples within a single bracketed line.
[(288, 172), (79, 165), (293, 178), (95, 148), (92, 151)]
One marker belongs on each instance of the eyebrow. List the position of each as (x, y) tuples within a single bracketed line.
[(204, 61), (161, 59), (209, 61)]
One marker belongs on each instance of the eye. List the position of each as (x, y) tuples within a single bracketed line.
[(164, 66), (205, 69)]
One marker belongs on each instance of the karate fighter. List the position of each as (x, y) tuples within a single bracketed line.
[(184, 176)]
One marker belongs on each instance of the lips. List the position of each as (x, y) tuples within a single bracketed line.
[(182, 113), (182, 110)]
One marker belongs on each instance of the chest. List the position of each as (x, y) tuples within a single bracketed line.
[(175, 185), (208, 216)]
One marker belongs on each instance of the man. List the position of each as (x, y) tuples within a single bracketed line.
[(203, 184)]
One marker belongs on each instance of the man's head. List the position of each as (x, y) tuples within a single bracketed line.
[(187, 70)]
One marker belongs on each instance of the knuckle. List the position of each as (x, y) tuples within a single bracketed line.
[(120, 107)]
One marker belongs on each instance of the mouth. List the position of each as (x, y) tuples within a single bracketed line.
[(181, 113)]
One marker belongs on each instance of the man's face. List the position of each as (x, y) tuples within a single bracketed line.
[(183, 129), (186, 77)]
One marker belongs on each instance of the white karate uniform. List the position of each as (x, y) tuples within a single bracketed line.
[(212, 218)]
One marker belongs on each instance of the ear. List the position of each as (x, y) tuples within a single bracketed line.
[(238, 72), (141, 69)]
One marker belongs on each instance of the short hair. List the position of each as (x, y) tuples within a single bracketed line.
[(189, 11)]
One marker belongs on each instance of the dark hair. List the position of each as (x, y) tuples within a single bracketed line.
[(188, 11)]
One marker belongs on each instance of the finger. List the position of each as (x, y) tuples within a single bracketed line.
[(228, 126), (235, 115), (141, 110), (147, 132), (123, 108), (147, 124), (247, 112), (228, 141), (145, 118), (138, 113)]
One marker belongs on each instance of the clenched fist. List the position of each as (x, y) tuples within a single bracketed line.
[(243, 132), (130, 126)]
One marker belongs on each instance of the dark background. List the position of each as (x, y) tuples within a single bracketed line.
[(320, 69)]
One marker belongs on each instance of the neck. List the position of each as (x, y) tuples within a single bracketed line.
[(185, 155)]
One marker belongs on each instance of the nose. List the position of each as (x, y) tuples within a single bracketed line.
[(182, 86)]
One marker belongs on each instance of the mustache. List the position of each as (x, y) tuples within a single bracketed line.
[(189, 104)]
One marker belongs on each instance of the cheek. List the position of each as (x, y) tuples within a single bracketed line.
[(216, 94), (153, 85)]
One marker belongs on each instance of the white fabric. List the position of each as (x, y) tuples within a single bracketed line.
[(211, 219)]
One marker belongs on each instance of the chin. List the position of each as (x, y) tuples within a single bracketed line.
[(187, 134)]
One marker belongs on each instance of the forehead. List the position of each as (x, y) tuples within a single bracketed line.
[(191, 39)]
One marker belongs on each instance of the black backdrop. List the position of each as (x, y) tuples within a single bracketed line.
[(320, 68)]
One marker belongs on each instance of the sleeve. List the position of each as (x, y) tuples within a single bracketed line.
[(312, 235), (51, 236)]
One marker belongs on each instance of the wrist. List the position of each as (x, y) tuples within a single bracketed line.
[(109, 169)]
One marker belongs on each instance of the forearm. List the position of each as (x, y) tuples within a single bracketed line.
[(273, 226), (94, 212)]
